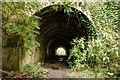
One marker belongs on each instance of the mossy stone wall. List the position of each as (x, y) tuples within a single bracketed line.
[(13, 56)]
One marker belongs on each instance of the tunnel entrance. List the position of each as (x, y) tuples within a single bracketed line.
[(59, 25)]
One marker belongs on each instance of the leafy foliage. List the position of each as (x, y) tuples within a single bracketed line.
[(18, 20), (91, 55), (77, 54), (106, 19), (35, 71), (100, 53)]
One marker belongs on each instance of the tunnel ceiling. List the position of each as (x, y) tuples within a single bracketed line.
[(59, 25)]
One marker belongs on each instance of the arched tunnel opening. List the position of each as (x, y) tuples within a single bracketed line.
[(59, 25)]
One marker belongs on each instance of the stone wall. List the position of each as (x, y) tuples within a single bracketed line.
[(13, 56), (10, 58)]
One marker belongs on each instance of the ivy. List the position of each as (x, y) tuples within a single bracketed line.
[(101, 53), (19, 21)]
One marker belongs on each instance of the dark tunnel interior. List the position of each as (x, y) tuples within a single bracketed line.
[(58, 28)]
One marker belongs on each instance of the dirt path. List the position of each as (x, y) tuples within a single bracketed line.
[(56, 69)]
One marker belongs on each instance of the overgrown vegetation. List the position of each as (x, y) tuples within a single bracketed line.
[(18, 20), (28, 71), (35, 71), (101, 54)]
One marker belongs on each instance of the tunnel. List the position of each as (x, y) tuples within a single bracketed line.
[(59, 25)]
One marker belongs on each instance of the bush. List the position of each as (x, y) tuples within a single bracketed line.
[(93, 55), (77, 54)]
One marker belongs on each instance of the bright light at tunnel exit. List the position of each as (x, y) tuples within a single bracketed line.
[(60, 51)]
